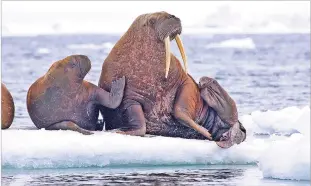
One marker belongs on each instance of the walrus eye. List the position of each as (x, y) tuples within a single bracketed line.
[(171, 16), (72, 65), (152, 21)]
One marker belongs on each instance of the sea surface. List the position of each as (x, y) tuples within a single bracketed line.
[(267, 75)]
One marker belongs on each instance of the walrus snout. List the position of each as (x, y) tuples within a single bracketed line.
[(172, 31), (167, 29), (178, 28), (170, 27)]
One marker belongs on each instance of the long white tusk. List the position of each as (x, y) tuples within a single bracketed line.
[(168, 55), (182, 51)]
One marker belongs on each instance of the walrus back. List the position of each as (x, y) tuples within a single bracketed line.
[(42, 103)]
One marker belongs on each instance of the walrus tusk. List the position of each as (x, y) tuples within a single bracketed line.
[(168, 55), (182, 51)]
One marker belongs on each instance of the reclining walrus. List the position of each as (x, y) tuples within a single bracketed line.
[(160, 98), (7, 108), (61, 99)]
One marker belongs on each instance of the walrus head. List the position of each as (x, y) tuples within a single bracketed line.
[(74, 67), (167, 27)]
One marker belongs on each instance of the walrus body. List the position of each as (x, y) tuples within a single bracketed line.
[(155, 101), (7, 107), (61, 99)]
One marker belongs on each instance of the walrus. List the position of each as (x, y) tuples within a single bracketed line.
[(61, 99), (7, 108), (160, 97)]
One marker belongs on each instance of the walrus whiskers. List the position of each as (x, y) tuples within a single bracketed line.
[(168, 55), (182, 51)]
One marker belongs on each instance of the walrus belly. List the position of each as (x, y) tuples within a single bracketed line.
[(167, 125), (172, 129), (160, 121)]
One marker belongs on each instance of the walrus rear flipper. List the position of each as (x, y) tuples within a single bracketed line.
[(217, 98), (114, 98), (68, 125), (135, 119)]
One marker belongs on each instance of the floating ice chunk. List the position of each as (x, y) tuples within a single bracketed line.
[(279, 157), (67, 149), (91, 46), (246, 43), (43, 51), (287, 159)]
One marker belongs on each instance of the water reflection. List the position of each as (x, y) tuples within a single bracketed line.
[(178, 177)]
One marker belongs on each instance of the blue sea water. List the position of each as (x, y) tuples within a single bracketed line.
[(260, 72), (188, 175)]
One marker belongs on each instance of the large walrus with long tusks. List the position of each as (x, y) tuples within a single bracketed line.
[(160, 97), (61, 99), (7, 108)]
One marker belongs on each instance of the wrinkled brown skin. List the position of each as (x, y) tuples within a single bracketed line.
[(217, 98), (7, 108), (61, 99), (152, 104)]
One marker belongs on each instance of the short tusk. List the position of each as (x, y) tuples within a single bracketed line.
[(182, 51), (168, 55)]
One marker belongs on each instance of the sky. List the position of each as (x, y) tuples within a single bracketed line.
[(66, 17)]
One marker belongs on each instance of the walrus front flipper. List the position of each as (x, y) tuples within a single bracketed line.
[(235, 135), (114, 98), (134, 120), (68, 125), (217, 98), (184, 107)]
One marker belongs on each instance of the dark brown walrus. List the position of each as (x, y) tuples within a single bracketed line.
[(7, 108), (61, 99), (160, 103)]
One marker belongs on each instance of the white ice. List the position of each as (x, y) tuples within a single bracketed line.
[(287, 159), (278, 156), (285, 121)]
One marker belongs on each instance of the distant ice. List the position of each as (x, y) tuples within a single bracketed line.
[(43, 51), (197, 17), (246, 43), (91, 46), (279, 157)]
